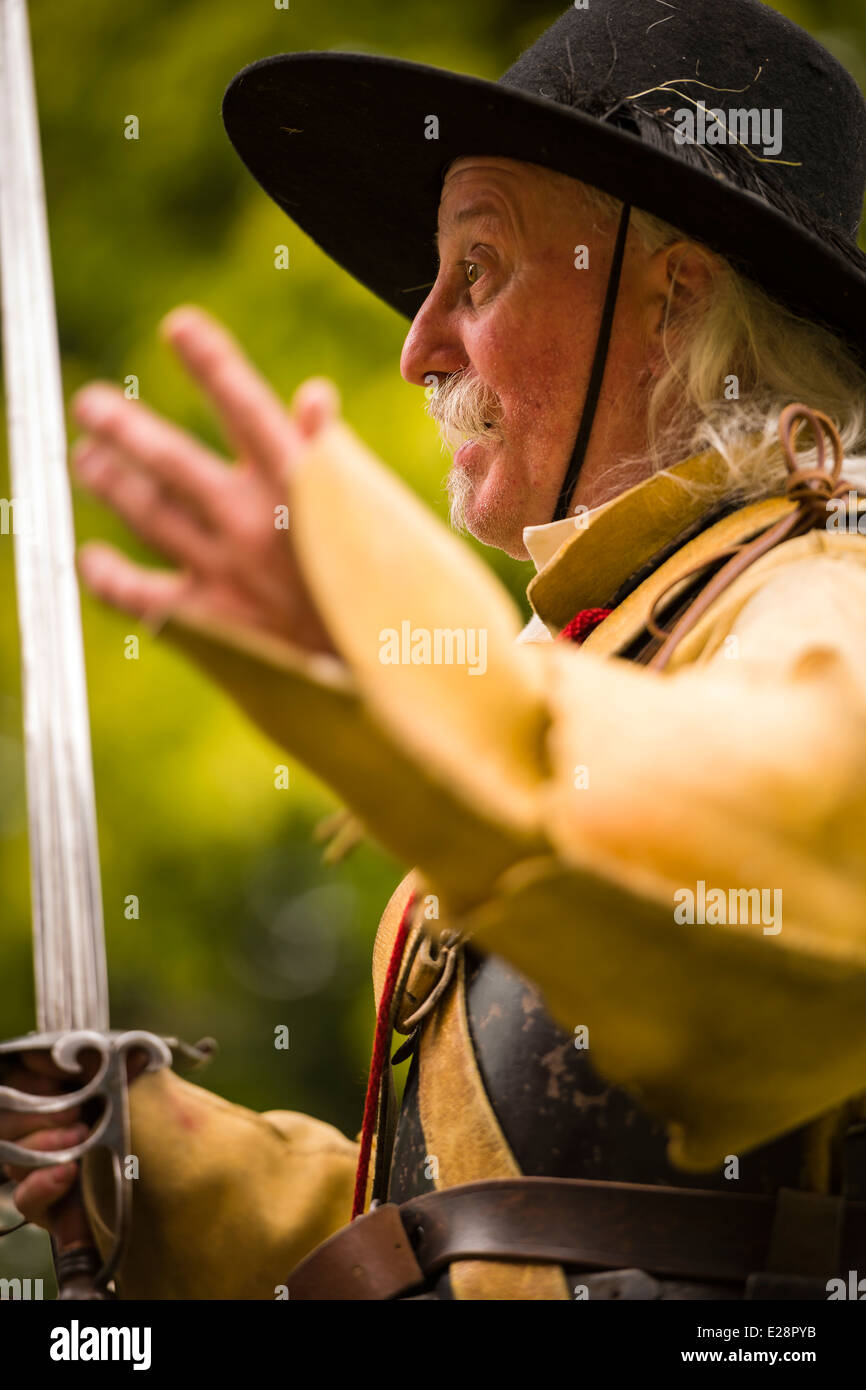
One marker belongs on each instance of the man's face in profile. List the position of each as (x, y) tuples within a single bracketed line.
[(513, 314)]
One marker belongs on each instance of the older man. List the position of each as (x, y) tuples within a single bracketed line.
[(630, 964)]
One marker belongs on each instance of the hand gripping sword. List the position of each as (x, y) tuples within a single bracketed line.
[(68, 935)]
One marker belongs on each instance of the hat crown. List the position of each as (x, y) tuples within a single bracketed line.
[(354, 146), (644, 62)]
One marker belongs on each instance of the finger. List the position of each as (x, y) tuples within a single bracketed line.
[(42, 1063), (162, 449), (253, 415), (36, 1194), (136, 1060), (19, 1076), (158, 518), (44, 1141), (316, 403), (111, 577), (26, 1078), (16, 1125)]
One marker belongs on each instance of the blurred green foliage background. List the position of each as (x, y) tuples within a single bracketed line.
[(241, 927)]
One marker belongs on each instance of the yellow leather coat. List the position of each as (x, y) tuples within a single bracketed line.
[(557, 807)]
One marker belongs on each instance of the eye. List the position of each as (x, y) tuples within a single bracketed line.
[(473, 271)]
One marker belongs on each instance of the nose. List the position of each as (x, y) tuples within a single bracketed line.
[(433, 345)]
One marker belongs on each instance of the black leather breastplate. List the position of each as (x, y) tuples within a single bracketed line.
[(559, 1117)]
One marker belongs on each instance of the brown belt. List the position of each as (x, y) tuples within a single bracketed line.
[(669, 1231)]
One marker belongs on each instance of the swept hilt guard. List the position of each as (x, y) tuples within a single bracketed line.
[(109, 1086)]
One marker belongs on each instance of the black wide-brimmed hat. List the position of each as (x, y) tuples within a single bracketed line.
[(342, 142)]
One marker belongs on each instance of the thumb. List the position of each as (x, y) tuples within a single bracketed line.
[(315, 404)]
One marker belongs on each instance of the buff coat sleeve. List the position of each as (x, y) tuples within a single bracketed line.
[(227, 1201)]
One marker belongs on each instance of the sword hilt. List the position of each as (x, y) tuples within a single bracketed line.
[(77, 1261), (81, 1273)]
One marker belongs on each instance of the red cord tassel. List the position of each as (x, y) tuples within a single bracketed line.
[(381, 1043), (582, 624)]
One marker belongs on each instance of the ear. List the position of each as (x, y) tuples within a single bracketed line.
[(678, 277)]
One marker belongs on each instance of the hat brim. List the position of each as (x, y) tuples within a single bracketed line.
[(338, 141)]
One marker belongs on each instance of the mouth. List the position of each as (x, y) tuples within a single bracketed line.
[(469, 447), (458, 442), (476, 436)]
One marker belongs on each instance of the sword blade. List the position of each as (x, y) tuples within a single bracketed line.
[(68, 933)]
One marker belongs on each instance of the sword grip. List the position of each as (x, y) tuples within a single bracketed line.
[(77, 1260)]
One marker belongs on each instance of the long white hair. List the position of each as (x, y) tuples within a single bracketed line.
[(737, 333)]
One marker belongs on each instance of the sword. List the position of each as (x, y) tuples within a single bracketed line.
[(72, 1014)]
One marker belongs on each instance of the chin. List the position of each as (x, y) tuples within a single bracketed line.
[(486, 513)]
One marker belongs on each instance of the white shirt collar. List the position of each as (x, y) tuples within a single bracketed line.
[(543, 542)]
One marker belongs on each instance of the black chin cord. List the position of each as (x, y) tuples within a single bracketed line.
[(596, 376)]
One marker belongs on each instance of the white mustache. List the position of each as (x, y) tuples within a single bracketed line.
[(464, 409)]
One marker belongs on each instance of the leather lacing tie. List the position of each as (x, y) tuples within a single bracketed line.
[(444, 963), (812, 489)]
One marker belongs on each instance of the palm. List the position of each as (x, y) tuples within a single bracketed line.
[(222, 526)]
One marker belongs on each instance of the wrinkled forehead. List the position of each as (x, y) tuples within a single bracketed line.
[(509, 188), (514, 181), (508, 172), (484, 161)]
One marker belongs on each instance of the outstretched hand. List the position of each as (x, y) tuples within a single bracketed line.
[(217, 524)]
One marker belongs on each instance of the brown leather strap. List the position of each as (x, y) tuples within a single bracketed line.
[(811, 490), (680, 1233), (670, 1231), (369, 1259), (806, 1234)]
